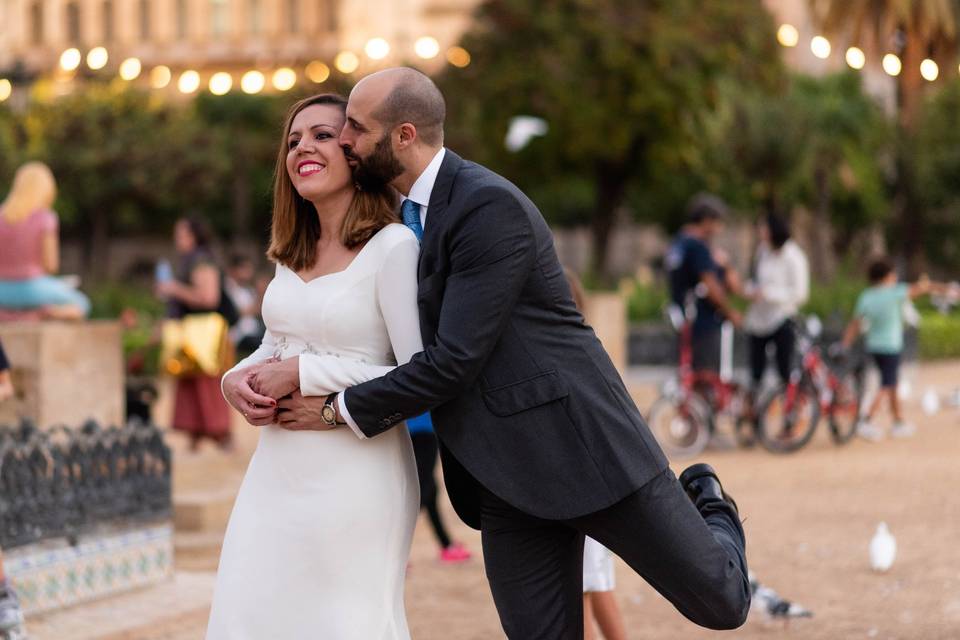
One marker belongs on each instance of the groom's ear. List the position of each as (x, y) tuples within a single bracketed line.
[(408, 134)]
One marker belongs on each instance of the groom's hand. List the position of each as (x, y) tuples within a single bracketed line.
[(278, 378), (297, 413)]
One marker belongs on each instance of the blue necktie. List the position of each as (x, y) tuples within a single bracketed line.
[(410, 214)]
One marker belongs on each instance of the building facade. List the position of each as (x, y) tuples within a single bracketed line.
[(225, 35)]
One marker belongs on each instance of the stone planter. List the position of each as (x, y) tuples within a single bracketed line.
[(64, 372)]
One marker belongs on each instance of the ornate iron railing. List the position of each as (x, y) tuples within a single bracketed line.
[(64, 482)]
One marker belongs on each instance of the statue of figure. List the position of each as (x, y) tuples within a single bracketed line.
[(29, 235)]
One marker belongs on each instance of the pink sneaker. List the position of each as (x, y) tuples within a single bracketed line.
[(454, 554)]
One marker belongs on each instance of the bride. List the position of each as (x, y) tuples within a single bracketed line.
[(319, 536)]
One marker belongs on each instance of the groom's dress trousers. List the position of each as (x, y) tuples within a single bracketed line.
[(538, 434)]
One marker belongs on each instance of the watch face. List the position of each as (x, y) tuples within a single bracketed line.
[(328, 414)]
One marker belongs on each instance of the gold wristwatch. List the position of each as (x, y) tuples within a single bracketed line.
[(329, 411)]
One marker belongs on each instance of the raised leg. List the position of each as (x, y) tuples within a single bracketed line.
[(693, 555)]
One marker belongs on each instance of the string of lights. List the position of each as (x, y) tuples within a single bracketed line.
[(284, 78), (789, 37)]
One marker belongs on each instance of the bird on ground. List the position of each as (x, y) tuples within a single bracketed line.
[(883, 549), (773, 607)]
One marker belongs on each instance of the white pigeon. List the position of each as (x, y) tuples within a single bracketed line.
[(523, 129), (930, 402), (883, 549)]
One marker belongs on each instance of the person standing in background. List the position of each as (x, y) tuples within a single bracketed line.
[(425, 451), (879, 312), (197, 287), (781, 285), (240, 285), (599, 602), (29, 236), (697, 281)]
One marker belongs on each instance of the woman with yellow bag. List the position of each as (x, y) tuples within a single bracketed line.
[(195, 344)]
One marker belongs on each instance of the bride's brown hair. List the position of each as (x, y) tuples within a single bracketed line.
[(295, 227)]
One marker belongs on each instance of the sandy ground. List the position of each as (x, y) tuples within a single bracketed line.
[(809, 519)]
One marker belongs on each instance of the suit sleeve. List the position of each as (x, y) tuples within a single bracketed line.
[(492, 251)]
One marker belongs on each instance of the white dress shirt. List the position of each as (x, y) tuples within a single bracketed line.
[(420, 193)]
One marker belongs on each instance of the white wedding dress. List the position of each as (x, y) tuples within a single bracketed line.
[(318, 540)]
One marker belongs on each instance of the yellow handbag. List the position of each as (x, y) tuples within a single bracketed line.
[(197, 344)]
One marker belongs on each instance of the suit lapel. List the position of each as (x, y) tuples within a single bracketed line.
[(439, 199)]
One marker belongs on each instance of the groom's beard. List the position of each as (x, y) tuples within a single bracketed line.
[(379, 168)]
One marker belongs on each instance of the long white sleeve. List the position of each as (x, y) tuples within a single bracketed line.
[(396, 283)]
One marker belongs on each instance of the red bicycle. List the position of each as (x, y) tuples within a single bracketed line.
[(824, 384), (695, 404)]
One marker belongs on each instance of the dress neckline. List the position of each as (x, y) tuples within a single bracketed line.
[(335, 273)]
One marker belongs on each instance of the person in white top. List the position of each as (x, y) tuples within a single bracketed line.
[(320, 533), (781, 285)]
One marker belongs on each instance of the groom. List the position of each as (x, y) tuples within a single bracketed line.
[(540, 441)]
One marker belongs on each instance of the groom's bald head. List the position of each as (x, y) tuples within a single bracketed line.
[(401, 95)]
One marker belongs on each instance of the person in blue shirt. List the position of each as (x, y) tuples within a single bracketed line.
[(425, 452), (697, 282), (879, 313)]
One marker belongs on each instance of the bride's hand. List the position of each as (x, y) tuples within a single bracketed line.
[(277, 379), (257, 409)]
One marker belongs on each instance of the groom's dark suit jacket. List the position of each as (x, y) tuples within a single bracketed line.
[(524, 398)]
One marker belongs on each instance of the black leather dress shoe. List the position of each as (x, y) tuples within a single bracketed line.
[(702, 484)]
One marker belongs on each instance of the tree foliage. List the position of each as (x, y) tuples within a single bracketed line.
[(820, 143), (623, 85), (123, 162), (935, 154), (915, 30)]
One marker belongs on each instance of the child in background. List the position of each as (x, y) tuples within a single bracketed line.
[(879, 312), (599, 603)]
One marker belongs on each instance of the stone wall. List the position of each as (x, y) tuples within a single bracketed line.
[(607, 314)]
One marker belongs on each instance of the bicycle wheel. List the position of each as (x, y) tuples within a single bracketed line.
[(845, 405), (788, 416), (680, 424)]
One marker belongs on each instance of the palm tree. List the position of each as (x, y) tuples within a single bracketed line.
[(913, 29)]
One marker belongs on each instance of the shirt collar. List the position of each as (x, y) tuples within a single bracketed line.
[(423, 187)]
